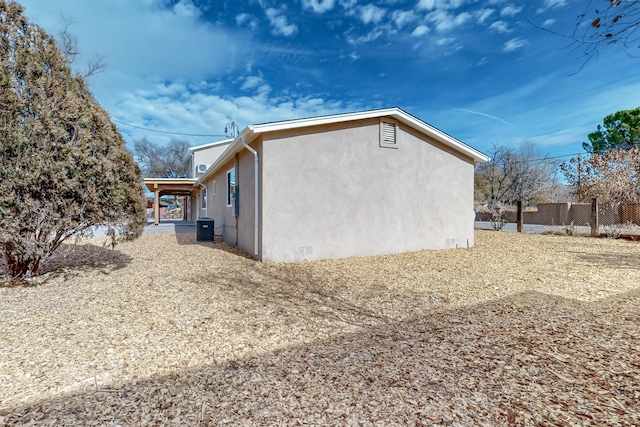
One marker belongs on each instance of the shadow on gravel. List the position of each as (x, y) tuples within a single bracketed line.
[(528, 359), (614, 260), (70, 258), (218, 244)]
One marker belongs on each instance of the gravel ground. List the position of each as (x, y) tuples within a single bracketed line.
[(522, 329)]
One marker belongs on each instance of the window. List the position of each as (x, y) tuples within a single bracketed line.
[(203, 204), (388, 133), (231, 186)]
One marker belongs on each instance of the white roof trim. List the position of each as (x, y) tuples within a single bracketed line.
[(170, 179), (253, 131), (211, 144)]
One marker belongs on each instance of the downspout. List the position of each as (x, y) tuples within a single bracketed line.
[(255, 193), (206, 208)]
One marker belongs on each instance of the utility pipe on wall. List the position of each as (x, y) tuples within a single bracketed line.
[(255, 193)]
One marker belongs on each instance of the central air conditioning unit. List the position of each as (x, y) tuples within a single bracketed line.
[(201, 168)]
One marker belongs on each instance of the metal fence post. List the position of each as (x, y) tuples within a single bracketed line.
[(594, 218)]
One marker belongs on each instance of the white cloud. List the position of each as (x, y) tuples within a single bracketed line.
[(555, 3), (445, 41), (248, 20), (348, 5), (403, 17), (499, 27), (426, 4), (191, 110), (439, 4), (374, 34), (280, 23), (420, 31), (511, 10), (548, 22), (372, 14), (318, 6), (136, 38), (483, 14), (186, 9), (252, 82), (552, 4), (514, 44), (445, 21)]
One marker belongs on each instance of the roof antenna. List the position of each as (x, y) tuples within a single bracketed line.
[(231, 130)]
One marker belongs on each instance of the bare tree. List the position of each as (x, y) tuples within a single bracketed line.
[(174, 164), (533, 175), (147, 155), (577, 172), (69, 48), (493, 181), (617, 22), (159, 161), (613, 176), (521, 174), (606, 22)]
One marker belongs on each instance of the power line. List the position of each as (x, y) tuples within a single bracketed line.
[(549, 158), (163, 131)]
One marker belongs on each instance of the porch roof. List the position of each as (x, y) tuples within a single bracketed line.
[(172, 186)]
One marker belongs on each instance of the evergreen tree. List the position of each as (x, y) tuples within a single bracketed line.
[(64, 167), (619, 130)]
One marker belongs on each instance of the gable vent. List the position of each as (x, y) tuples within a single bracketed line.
[(388, 133)]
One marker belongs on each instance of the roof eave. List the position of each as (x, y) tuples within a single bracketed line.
[(250, 132), (440, 136)]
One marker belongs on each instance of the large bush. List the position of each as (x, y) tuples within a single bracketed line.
[(63, 165)]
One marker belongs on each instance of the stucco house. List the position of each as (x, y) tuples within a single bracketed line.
[(358, 184)]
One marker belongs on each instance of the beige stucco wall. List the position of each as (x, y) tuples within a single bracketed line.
[(224, 220), (206, 155), (332, 191), (245, 179)]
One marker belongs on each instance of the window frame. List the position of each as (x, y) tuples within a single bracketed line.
[(203, 198), (229, 182)]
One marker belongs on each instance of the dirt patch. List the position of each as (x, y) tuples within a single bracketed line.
[(519, 330)]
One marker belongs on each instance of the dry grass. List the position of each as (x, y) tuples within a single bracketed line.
[(520, 330)]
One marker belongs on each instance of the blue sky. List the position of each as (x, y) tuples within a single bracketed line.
[(476, 69)]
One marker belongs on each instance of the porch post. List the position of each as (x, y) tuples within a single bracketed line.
[(156, 207), (184, 208)]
